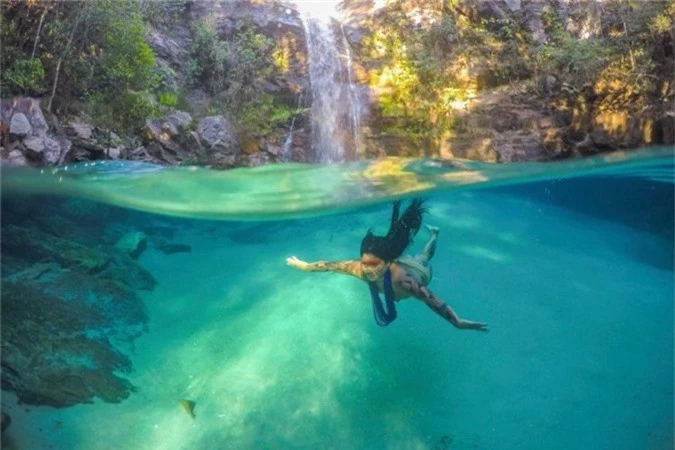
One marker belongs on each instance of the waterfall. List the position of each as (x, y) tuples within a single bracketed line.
[(355, 103), (336, 107), (288, 143)]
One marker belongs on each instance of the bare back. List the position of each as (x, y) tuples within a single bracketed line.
[(403, 281)]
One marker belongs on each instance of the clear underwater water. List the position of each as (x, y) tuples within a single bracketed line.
[(571, 265)]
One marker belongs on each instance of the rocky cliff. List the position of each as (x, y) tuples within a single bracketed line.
[(492, 80), (512, 80)]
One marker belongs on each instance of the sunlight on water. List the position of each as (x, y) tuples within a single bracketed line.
[(292, 190)]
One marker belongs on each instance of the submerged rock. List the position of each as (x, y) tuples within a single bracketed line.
[(133, 243), (169, 248), (5, 421), (36, 245), (51, 354), (70, 311)]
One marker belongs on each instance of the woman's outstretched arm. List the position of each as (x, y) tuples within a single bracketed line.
[(446, 312), (352, 267)]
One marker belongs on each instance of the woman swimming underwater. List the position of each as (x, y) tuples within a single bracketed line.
[(386, 271)]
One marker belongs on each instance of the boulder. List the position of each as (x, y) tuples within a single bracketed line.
[(38, 245), (34, 146), (192, 143), (20, 126), (16, 158), (64, 362), (168, 48), (180, 120), (132, 243), (86, 147), (76, 302), (25, 115), (80, 131), (159, 153), (170, 139), (52, 151), (114, 152), (37, 119), (222, 144)]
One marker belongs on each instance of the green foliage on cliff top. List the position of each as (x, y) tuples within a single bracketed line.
[(423, 73), (75, 50), (623, 63), (94, 55), (233, 70)]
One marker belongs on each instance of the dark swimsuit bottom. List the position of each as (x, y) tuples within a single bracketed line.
[(384, 314)]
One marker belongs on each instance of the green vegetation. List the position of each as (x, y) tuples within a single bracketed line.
[(620, 74), (93, 56), (232, 70), (92, 50), (25, 75), (623, 46), (264, 115), (425, 74)]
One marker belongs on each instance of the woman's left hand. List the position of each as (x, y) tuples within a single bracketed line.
[(297, 263)]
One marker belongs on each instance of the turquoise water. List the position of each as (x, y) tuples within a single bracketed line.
[(570, 264)]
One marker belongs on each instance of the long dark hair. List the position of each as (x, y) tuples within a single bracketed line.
[(401, 232)]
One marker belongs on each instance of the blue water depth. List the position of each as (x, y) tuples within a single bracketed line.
[(574, 278)]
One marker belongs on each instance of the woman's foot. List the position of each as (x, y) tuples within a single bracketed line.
[(432, 229)]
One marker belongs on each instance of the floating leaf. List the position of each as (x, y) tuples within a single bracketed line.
[(188, 406)]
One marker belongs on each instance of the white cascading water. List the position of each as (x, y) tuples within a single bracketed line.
[(336, 108), (355, 103), (288, 143)]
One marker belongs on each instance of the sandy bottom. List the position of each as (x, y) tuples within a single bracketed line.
[(580, 352)]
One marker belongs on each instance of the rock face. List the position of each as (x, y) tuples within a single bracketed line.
[(507, 109), (169, 139), (26, 138), (70, 311), (236, 147)]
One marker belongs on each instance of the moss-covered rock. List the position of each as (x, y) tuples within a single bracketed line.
[(69, 305), (52, 353)]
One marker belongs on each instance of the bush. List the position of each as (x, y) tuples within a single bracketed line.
[(261, 117), (168, 99), (229, 65), (25, 76), (136, 108)]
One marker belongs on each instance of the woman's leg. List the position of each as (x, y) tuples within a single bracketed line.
[(430, 247)]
